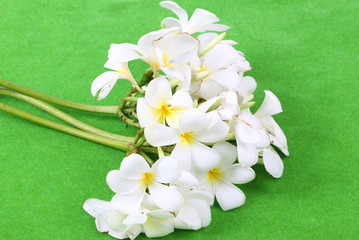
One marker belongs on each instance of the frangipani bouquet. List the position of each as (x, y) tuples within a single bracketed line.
[(197, 137)]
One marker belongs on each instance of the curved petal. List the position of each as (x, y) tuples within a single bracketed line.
[(205, 39), (160, 135), (119, 184), (176, 9), (203, 158), (166, 170), (165, 197), (104, 83), (228, 78), (96, 207), (228, 196), (228, 153), (135, 218), (215, 133), (199, 18), (192, 120), (182, 153), (203, 210), (238, 174), (129, 202), (221, 56), (210, 27), (247, 86), (158, 227), (245, 132), (247, 154), (133, 166), (187, 218), (123, 52), (158, 92), (186, 180), (272, 162), (181, 99), (170, 22), (209, 89), (181, 44), (270, 105), (147, 115), (101, 224), (114, 220)]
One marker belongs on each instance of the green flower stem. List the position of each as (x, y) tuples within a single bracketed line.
[(131, 99), (138, 135), (140, 142), (65, 129), (64, 116), (146, 157), (57, 101)]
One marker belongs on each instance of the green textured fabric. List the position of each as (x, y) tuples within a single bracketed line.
[(306, 52)]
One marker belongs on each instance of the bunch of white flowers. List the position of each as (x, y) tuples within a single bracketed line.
[(193, 108)]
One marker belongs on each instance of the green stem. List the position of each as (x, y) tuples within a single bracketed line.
[(65, 129), (58, 101), (64, 116), (147, 158)]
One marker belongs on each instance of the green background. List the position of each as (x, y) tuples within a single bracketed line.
[(306, 52)]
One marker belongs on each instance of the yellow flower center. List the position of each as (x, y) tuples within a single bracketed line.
[(165, 60), (147, 178), (203, 68), (214, 174), (163, 111), (187, 137)]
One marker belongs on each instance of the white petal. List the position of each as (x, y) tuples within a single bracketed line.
[(101, 224), (176, 9), (228, 153), (228, 78), (210, 27), (170, 22), (147, 115), (205, 39), (181, 99), (104, 83), (270, 105), (166, 170), (199, 18), (135, 218), (203, 210), (160, 214), (204, 107), (182, 153), (133, 166), (247, 154), (192, 120), (228, 196), (114, 220), (158, 92), (279, 145), (165, 197), (272, 162), (186, 180), (247, 86), (229, 108), (203, 158), (245, 132), (96, 207), (210, 89), (188, 219), (119, 184), (123, 52), (217, 132), (160, 135), (221, 56), (157, 227), (238, 174), (181, 44), (129, 202)]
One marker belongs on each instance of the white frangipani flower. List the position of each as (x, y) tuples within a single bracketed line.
[(200, 21), (222, 72), (195, 212), (136, 176), (160, 106), (109, 220), (148, 218), (194, 128), (118, 57), (220, 179)]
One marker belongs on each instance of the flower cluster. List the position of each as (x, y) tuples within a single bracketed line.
[(195, 112)]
